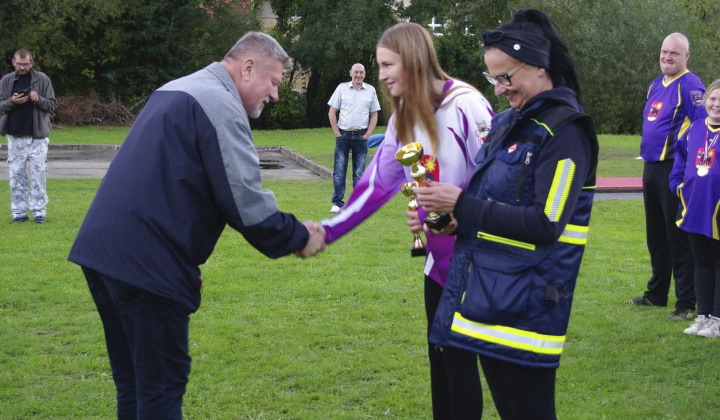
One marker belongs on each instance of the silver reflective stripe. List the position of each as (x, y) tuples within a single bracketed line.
[(574, 234), (559, 189), (510, 337)]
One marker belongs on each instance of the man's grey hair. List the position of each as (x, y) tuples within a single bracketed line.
[(259, 45)]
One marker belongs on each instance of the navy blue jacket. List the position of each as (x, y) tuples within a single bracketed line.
[(523, 227), (187, 168)]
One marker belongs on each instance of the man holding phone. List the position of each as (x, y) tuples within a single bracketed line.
[(27, 101)]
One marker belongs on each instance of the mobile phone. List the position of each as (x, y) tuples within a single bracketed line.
[(23, 92)]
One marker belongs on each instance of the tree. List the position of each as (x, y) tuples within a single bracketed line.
[(123, 49), (616, 48), (327, 38), (459, 47), (704, 35)]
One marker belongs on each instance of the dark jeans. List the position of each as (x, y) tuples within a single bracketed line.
[(670, 254), (345, 144), (706, 252), (520, 392), (147, 342), (454, 376)]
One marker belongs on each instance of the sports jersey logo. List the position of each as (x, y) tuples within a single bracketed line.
[(512, 148), (697, 97), (705, 159), (482, 131), (655, 109), (432, 167)]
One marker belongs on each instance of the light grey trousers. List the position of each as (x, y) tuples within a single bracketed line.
[(27, 196)]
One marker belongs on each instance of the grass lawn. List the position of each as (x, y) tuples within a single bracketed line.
[(339, 336), (617, 152)]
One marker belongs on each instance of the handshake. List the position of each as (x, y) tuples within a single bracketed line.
[(316, 242)]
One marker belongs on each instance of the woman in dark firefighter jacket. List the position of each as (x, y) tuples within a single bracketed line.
[(522, 222)]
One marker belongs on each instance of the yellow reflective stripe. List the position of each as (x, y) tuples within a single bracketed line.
[(589, 187), (543, 125), (509, 337), (506, 241), (715, 226), (559, 189), (574, 234)]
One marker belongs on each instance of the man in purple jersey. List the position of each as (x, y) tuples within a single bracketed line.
[(674, 100)]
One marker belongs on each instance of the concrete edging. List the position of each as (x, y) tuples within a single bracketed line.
[(321, 171), (313, 167)]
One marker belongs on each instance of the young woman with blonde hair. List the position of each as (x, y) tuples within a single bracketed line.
[(449, 118)]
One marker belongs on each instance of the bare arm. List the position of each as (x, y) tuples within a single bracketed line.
[(371, 125), (332, 116)]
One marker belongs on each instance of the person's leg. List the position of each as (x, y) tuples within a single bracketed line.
[(657, 241), (704, 272), (715, 250), (38, 166), (677, 241), (121, 363), (163, 369), (520, 392), (439, 389), (463, 376), (342, 149), (454, 376), (18, 151), (157, 335), (359, 157)]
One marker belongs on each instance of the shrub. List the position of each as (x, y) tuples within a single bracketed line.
[(88, 110), (286, 114)]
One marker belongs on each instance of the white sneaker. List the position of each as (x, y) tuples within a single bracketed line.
[(696, 325), (334, 209), (711, 329)]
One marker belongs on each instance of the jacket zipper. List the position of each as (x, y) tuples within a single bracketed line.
[(523, 172)]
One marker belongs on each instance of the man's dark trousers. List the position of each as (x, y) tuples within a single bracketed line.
[(670, 253), (147, 342)]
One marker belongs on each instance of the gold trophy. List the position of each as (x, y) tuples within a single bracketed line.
[(410, 155), (417, 249)]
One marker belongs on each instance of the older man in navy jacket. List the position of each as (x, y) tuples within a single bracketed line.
[(187, 168)]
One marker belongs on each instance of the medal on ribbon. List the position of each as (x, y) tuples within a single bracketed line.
[(706, 155)]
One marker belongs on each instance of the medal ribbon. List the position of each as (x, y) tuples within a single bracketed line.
[(708, 146)]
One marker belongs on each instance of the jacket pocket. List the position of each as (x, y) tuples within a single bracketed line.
[(510, 178), (498, 289)]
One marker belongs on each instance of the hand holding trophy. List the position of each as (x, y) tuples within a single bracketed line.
[(410, 155)]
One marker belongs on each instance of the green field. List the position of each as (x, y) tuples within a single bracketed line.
[(339, 336), (617, 152)]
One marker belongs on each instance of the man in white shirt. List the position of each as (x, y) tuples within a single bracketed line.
[(358, 106)]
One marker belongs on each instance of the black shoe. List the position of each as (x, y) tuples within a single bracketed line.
[(40, 219), (640, 301), (681, 315), (19, 219)]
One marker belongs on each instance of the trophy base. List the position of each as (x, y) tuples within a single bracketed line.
[(418, 252), (440, 221)]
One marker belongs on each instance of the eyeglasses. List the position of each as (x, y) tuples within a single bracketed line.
[(502, 78), (23, 64)]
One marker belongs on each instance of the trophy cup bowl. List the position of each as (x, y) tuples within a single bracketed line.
[(410, 155), (407, 190)]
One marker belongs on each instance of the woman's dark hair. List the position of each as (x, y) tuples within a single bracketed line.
[(562, 69)]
